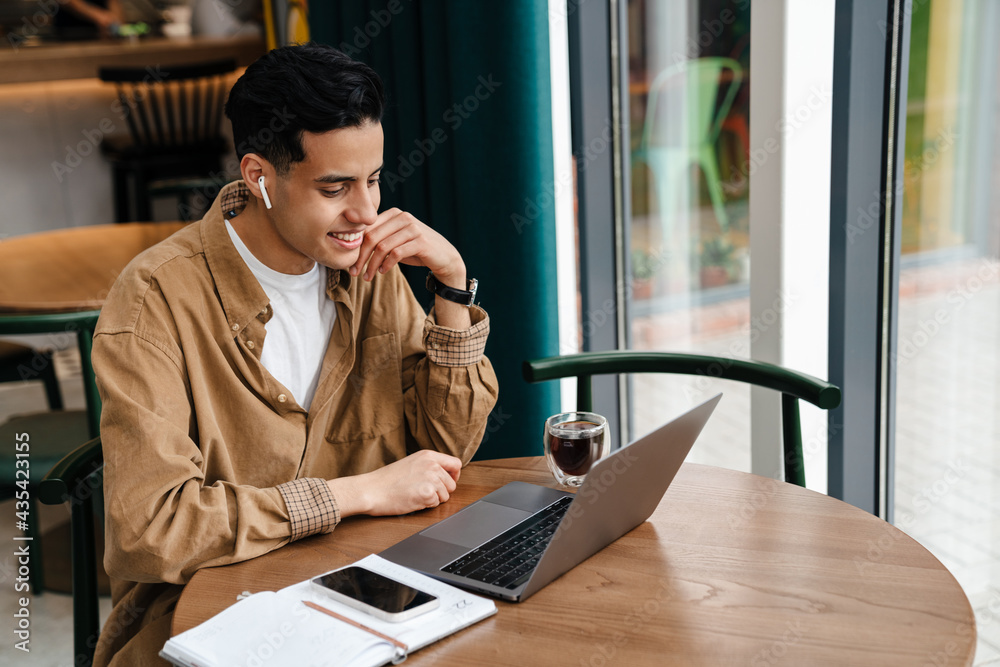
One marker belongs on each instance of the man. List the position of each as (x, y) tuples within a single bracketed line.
[(266, 371)]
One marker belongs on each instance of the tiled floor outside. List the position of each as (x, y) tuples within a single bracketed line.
[(947, 443)]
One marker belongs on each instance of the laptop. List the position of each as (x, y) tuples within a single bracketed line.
[(514, 541)]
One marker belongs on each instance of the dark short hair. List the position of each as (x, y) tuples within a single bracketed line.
[(295, 89)]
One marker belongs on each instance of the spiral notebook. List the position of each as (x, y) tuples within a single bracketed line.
[(278, 628)]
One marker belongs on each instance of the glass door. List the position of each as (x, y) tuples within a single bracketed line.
[(688, 93), (947, 459)]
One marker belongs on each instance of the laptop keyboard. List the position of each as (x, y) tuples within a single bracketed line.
[(509, 558)]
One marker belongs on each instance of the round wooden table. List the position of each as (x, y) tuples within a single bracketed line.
[(731, 568), (71, 269)]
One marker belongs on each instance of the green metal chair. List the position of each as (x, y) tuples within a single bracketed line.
[(78, 479), (19, 363), (683, 120), (794, 386), (51, 434)]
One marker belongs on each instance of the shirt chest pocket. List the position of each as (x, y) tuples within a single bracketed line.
[(372, 400)]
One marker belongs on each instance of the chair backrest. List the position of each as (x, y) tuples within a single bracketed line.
[(82, 325), (686, 94), (76, 476), (792, 384), (21, 363), (173, 106), (78, 479)]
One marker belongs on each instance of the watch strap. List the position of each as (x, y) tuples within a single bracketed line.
[(462, 297)]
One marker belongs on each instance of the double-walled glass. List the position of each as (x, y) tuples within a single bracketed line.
[(575, 441)]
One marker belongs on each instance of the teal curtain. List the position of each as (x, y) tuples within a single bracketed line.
[(469, 152)]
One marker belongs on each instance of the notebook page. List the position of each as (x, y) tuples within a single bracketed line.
[(268, 629)]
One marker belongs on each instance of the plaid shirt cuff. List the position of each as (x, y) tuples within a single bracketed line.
[(451, 347), (312, 508)]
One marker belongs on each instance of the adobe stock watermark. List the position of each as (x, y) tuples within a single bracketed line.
[(985, 616), (638, 617), (818, 98), (908, 9), (271, 642), (92, 137), (562, 10), (768, 487), (33, 369), (115, 627), (869, 216), (738, 349), (453, 117), (494, 423), (200, 198), (534, 206), (923, 501), (964, 631), (709, 30), (363, 35), (778, 649), (601, 315), (910, 345), (31, 25), (596, 485)]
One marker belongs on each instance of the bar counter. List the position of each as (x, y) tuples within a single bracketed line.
[(52, 61)]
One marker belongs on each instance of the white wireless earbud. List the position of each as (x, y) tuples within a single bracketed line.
[(263, 192)]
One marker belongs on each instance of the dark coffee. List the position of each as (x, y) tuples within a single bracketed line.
[(575, 455)]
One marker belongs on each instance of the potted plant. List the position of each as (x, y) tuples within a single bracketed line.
[(717, 262), (643, 271)]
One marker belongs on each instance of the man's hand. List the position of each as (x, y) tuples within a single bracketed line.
[(397, 237), (421, 480)]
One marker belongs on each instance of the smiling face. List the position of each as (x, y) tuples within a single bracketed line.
[(322, 205)]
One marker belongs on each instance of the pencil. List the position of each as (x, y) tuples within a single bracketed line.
[(395, 642)]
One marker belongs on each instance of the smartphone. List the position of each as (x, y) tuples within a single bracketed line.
[(375, 594)]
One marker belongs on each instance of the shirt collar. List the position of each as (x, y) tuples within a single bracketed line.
[(242, 297)]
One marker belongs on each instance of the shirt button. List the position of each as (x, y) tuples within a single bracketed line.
[(436, 346), (264, 312), (236, 327), (282, 398), (250, 344)]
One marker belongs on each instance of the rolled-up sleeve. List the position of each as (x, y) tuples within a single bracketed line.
[(453, 347), (312, 509)]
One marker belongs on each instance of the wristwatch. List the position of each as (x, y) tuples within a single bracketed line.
[(464, 297)]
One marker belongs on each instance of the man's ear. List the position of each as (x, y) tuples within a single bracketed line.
[(252, 167)]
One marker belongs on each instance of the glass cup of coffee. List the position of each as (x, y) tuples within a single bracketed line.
[(574, 441)]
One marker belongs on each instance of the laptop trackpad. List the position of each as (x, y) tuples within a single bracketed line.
[(475, 525)]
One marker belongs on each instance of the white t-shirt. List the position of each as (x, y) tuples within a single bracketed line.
[(299, 330)]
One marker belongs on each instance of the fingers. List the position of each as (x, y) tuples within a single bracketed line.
[(438, 469), (398, 237), (391, 251), (387, 223), (421, 480), (453, 466)]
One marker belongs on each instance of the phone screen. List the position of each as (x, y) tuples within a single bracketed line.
[(374, 589)]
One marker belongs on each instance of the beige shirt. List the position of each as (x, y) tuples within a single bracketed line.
[(208, 458)]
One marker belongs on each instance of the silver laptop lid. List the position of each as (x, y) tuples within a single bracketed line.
[(620, 492)]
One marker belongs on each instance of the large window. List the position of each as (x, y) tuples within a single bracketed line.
[(688, 93), (947, 470)]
